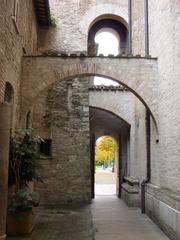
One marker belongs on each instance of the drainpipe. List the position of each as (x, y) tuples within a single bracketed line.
[(130, 27), (92, 155), (146, 16), (148, 157), (5, 112)]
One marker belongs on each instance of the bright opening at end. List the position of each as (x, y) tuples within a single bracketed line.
[(108, 43), (105, 165)]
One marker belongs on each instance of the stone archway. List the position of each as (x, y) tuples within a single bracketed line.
[(138, 74), (107, 123)]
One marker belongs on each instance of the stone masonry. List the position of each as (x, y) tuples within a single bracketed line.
[(66, 177), (139, 74), (32, 61), (14, 37)]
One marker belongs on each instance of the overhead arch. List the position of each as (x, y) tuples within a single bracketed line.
[(114, 17), (106, 122), (109, 101), (139, 75), (100, 11)]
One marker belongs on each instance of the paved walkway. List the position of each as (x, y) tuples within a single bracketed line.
[(62, 224), (107, 218), (105, 183), (113, 220)]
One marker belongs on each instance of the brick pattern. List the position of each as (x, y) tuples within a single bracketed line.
[(11, 43), (66, 177), (139, 74), (166, 165), (73, 19)]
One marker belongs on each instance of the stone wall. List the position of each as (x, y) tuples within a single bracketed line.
[(138, 166), (164, 39), (14, 37), (123, 105), (138, 27), (66, 177), (139, 74), (162, 203), (163, 207), (73, 19)]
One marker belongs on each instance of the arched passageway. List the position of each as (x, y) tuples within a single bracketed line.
[(39, 73), (65, 108), (103, 122)]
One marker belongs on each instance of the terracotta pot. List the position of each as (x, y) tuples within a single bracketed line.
[(20, 223)]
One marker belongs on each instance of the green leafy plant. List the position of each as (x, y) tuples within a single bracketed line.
[(23, 201), (52, 21), (23, 158)]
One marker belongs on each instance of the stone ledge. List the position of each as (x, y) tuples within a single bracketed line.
[(108, 88), (130, 189), (131, 192), (162, 212), (83, 55), (165, 195), (132, 181)]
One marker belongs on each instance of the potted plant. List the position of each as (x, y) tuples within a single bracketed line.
[(20, 212), (22, 170)]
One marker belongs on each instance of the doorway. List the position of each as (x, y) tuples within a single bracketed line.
[(109, 152), (106, 158)]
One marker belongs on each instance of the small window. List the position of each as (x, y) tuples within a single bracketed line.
[(28, 119), (45, 147), (9, 92)]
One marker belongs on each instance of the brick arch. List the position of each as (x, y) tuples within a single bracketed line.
[(139, 75), (100, 10)]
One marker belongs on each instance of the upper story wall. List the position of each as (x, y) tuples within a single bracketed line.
[(73, 19), (18, 35)]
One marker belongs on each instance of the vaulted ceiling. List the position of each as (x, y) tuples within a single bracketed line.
[(103, 123)]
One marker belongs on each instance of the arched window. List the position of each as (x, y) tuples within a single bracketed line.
[(114, 27), (9, 93), (108, 42), (9, 97), (107, 36)]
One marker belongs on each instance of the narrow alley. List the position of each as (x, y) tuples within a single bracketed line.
[(107, 218)]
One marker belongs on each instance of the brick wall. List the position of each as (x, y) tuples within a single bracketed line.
[(11, 44), (66, 177), (73, 20), (139, 74), (164, 43)]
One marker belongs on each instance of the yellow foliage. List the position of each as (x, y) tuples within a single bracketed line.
[(105, 149)]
